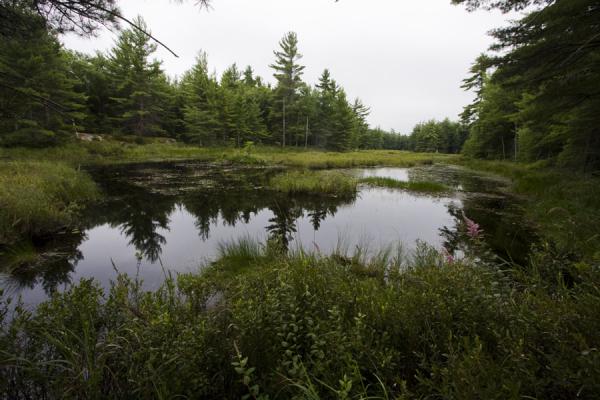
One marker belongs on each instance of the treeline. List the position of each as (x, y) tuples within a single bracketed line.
[(538, 92), (50, 93)]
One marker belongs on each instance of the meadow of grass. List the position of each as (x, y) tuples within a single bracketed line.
[(40, 197), (315, 183), (414, 186), (262, 324), (113, 151)]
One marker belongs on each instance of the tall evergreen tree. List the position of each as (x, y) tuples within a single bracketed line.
[(38, 104), (201, 114), (138, 83), (289, 78), (547, 64)]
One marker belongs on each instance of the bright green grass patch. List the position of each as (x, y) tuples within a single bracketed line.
[(315, 182), (415, 186), (40, 197)]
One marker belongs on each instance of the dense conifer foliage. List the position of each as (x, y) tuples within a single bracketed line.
[(55, 93), (537, 92)]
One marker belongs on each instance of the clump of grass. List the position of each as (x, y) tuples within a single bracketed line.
[(315, 182), (239, 254), (40, 197), (415, 186)]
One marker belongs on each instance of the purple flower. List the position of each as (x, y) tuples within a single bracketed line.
[(448, 257), (473, 229)]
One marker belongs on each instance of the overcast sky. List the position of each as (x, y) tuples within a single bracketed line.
[(404, 58)]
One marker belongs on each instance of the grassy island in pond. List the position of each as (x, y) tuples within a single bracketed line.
[(315, 182)]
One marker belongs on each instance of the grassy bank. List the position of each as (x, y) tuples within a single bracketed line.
[(40, 197), (414, 186), (306, 326), (112, 152), (564, 204)]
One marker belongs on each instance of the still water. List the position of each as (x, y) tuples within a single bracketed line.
[(173, 217)]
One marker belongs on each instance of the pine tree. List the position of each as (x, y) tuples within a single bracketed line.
[(38, 104), (201, 111), (360, 129), (289, 78), (139, 84)]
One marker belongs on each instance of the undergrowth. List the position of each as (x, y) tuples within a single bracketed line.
[(310, 326)]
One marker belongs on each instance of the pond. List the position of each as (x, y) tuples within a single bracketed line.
[(173, 217)]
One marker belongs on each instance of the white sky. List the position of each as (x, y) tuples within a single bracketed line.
[(404, 58)]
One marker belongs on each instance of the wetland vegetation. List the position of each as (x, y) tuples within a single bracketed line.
[(226, 237)]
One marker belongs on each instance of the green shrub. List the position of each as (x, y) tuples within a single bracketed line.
[(303, 326)]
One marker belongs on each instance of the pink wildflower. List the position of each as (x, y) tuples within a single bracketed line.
[(448, 257), (473, 229)]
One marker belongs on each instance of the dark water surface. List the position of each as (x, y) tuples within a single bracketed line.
[(173, 216)]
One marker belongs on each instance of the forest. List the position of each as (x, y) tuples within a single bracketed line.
[(52, 93), (230, 235)]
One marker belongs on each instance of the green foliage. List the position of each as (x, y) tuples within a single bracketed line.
[(40, 197), (433, 136), (315, 182), (307, 326), (415, 186), (140, 87), (38, 104), (540, 102)]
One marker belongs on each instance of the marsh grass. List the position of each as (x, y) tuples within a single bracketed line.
[(564, 204), (314, 182), (414, 186), (38, 197), (114, 151), (306, 325)]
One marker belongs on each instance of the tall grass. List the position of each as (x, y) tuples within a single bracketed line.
[(304, 325), (314, 182), (37, 197), (113, 151)]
